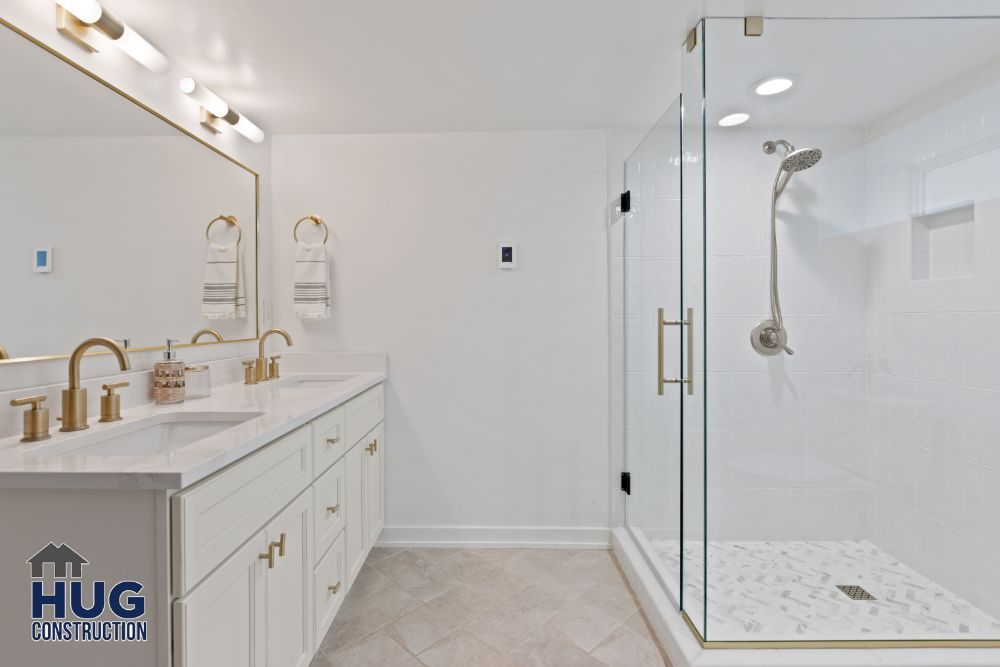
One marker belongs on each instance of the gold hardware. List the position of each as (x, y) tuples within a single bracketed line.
[(262, 375), (249, 377), (691, 40), (111, 403), (370, 448), (335, 588), (74, 399), (206, 332), (3, 353), (316, 221), (231, 221), (210, 121), (376, 444), (332, 441), (281, 545), (36, 418), (272, 367), (661, 381), (76, 30), (269, 556), (256, 178), (334, 509), (753, 26)]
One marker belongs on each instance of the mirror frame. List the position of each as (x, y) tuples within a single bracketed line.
[(176, 126)]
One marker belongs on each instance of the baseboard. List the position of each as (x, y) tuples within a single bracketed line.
[(538, 537)]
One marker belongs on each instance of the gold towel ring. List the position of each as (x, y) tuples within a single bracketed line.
[(316, 221), (231, 221)]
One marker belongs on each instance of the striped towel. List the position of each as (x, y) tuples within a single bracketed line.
[(224, 296), (311, 298)]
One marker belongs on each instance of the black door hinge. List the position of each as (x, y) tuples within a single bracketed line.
[(626, 202), (627, 483)]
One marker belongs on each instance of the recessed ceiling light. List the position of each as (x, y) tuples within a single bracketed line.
[(773, 85), (734, 119)]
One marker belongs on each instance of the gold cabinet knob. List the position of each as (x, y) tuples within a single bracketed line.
[(333, 441), (335, 588), (36, 418), (333, 509)]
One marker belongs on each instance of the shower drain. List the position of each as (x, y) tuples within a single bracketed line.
[(856, 593)]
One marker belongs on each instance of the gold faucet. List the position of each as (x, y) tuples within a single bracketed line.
[(262, 372), (3, 353), (74, 399), (206, 332)]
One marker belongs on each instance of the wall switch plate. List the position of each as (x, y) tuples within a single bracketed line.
[(42, 260), (507, 255)]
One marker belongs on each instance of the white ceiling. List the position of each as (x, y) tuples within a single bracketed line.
[(314, 66)]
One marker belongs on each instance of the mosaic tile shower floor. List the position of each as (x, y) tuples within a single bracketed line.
[(787, 591)]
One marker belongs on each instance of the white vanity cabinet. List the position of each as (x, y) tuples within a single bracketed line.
[(265, 550)]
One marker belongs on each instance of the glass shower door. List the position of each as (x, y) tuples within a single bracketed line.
[(656, 365)]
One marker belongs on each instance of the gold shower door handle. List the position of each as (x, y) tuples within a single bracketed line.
[(661, 381)]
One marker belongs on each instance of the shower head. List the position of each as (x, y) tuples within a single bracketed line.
[(801, 159)]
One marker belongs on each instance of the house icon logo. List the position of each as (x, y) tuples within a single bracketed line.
[(60, 557), (67, 607)]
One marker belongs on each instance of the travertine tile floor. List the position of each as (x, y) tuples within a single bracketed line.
[(485, 607)]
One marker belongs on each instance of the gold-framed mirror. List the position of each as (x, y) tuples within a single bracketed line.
[(105, 207)]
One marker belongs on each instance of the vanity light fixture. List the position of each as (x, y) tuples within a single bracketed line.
[(81, 20), (734, 119), (214, 109), (773, 85)]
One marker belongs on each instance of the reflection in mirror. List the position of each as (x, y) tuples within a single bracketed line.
[(104, 214)]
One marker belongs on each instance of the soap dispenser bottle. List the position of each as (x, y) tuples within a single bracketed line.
[(168, 377)]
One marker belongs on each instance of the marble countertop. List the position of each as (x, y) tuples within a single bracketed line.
[(282, 410)]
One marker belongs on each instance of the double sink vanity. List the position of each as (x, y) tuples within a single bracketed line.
[(245, 516)]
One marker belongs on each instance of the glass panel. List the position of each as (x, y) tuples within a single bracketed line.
[(652, 277), (693, 297), (870, 457)]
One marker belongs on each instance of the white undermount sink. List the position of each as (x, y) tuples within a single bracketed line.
[(157, 434), (312, 380)]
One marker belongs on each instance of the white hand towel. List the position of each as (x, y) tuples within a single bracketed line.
[(224, 295), (311, 298)]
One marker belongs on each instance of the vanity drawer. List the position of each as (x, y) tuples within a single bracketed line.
[(329, 439), (364, 412), (331, 572), (210, 520), (328, 513)]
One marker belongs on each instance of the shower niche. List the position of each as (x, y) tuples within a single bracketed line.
[(867, 460)]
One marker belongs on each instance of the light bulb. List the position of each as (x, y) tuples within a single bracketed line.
[(249, 130), (87, 11), (773, 86), (208, 100), (734, 119), (142, 51)]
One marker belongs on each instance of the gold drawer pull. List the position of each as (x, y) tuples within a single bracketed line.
[(370, 449), (376, 444), (334, 509), (333, 441), (269, 556), (281, 545), (335, 588)]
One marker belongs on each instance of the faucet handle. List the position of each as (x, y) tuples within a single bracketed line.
[(111, 403), (36, 419), (248, 372), (272, 369)]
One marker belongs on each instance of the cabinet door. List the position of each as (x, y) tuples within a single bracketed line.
[(289, 586), (374, 485), (220, 622), (354, 517), (328, 511)]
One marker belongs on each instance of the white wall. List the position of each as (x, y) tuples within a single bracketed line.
[(161, 94), (497, 400), (933, 371)]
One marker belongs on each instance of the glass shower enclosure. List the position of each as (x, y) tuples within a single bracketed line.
[(811, 334)]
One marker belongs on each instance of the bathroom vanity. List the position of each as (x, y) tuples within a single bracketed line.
[(245, 517)]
